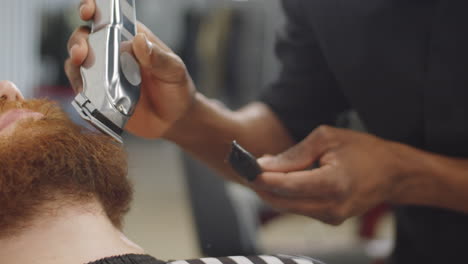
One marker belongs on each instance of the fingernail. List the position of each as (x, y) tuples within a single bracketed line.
[(265, 160), (149, 45), (73, 48), (82, 8)]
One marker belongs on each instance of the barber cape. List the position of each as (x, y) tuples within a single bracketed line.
[(263, 259)]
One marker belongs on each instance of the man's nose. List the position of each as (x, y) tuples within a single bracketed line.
[(9, 91)]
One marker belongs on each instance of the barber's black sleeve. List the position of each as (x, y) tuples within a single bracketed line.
[(306, 93)]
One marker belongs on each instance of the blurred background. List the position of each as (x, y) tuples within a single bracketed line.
[(182, 209)]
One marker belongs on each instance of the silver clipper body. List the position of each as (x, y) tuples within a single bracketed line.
[(111, 75)]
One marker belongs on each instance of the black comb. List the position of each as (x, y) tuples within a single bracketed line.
[(244, 163)]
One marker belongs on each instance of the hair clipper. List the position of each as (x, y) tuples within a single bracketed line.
[(111, 75)]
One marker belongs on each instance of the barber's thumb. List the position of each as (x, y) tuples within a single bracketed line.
[(268, 162), (295, 159), (143, 49)]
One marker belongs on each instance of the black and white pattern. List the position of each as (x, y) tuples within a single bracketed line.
[(261, 259)]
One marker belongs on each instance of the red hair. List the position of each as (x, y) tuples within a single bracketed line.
[(54, 161)]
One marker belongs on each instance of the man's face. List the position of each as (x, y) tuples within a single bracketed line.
[(10, 93), (47, 160)]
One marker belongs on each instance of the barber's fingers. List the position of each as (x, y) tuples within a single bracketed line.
[(327, 211), (299, 157), (78, 45), (78, 49), (152, 37), (299, 206), (155, 56), (74, 75), (158, 60), (317, 183), (87, 9), (304, 154), (317, 193), (9, 91)]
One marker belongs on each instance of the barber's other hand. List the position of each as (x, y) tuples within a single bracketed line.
[(357, 172), (167, 89)]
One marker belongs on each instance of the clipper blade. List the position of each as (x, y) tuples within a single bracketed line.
[(99, 121), (244, 163)]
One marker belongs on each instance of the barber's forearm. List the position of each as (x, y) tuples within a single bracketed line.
[(209, 128), (429, 179)]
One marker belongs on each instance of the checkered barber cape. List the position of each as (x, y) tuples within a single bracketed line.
[(262, 259)]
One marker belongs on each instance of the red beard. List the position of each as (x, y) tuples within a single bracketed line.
[(54, 162)]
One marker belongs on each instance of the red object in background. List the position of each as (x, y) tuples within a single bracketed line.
[(370, 220), (54, 92)]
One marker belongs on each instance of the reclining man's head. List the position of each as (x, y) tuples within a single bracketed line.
[(49, 165)]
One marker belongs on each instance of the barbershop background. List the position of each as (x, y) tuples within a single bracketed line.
[(181, 208)]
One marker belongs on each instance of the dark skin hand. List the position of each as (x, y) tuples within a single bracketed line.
[(167, 90), (357, 172), (170, 107)]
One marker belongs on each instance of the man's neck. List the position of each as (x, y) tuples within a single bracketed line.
[(72, 235)]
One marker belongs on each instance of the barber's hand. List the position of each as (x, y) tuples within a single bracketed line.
[(167, 89), (357, 172)]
